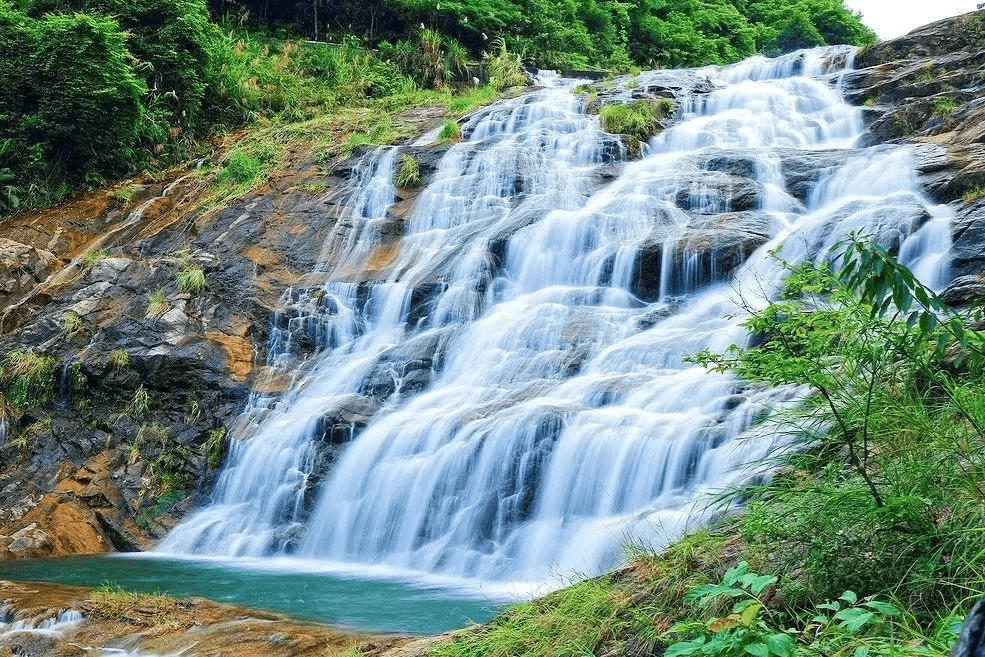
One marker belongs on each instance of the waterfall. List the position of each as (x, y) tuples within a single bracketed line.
[(505, 396)]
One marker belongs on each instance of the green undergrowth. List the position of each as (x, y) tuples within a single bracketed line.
[(868, 538), (182, 87), (336, 132)]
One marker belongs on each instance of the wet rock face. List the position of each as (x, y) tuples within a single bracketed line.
[(926, 88), (143, 371)]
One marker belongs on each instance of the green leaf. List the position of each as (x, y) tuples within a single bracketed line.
[(732, 575), (758, 650), (781, 645), (853, 619), (684, 648), (750, 613), (883, 608), (761, 582), (849, 597)]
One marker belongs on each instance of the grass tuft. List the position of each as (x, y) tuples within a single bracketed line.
[(215, 446), (94, 257), (73, 324), (450, 132), (112, 603), (157, 303), (119, 359), (408, 172), (974, 194)]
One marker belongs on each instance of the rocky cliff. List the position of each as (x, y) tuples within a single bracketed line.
[(134, 325), (928, 88)]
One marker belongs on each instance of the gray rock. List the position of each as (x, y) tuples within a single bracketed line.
[(964, 290), (29, 539)]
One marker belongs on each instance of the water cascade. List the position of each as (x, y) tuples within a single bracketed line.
[(503, 386)]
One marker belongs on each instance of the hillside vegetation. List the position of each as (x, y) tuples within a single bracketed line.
[(93, 90)]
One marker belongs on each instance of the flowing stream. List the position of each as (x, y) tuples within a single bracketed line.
[(500, 392)]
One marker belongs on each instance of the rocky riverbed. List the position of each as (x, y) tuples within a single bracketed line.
[(45, 619)]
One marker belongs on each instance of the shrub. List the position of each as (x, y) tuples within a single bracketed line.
[(890, 489), (69, 98), (845, 626), (639, 119)]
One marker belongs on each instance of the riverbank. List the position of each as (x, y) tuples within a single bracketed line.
[(114, 621)]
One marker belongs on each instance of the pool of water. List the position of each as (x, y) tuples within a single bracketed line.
[(353, 601)]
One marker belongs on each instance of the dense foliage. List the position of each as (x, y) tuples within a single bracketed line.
[(97, 89), (589, 33)]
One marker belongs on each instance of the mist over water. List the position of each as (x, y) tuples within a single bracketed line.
[(528, 330)]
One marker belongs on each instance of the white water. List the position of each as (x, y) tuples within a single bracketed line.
[(53, 627), (558, 420)]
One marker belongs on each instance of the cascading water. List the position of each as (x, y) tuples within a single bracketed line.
[(545, 307)]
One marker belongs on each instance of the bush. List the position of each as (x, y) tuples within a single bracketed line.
[(890, 491), (640, 119), (69, 99)]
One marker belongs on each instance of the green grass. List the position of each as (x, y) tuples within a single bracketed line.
[(408, 172), (119, 359), (215, 446), (450, 132), (164, 501), (190, 279), (29, 379), (157, 303), (140, 404), (93, 257), (944, 106), (639, 119), (124, 194), (976, 193), (112, 603), (313, 187), (73, 324)]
